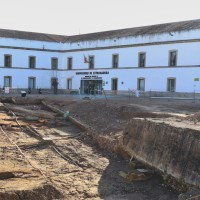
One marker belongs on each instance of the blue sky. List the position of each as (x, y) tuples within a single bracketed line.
[(71, 17)]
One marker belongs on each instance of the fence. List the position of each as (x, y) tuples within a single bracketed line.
[(129, 93)]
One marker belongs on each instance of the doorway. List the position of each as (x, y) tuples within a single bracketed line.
[(171, 84), (69, 84), (31, 82), (91, 86), (7, 81), (141, 84), (54, 85), (114, 84)]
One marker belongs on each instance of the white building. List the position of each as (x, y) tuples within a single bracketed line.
[(163, 57)]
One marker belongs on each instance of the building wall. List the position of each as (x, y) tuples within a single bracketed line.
[(156, 72), (156, 56), (155, 78)]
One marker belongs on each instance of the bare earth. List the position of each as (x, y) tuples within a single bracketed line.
[(69, 160)]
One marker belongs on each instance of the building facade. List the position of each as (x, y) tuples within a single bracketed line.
[(162, 58)]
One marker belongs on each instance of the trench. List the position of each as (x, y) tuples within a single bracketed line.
[(78, 163), (6, 175)]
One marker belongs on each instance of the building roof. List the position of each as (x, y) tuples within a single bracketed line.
[(32, 36), (136, 31), (144, 30)]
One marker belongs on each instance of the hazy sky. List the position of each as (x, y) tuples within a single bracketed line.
[(70, 17)]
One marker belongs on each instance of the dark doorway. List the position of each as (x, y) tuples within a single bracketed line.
[(114, 84), (91, 86), (54, 85)]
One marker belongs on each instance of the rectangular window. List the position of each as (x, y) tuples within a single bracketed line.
[(54, 63), (172, 58), (69, 83), (69, 63), (7, 61), (141, 84), (171, 84), (7, 81), (114, 84), (141, 59), (32, 60), (91, 62), (31, 82), (115, 61)]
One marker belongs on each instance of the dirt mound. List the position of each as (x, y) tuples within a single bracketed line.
[(194, 117), (27, 100), (105, 118)]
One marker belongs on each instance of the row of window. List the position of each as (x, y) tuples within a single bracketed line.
[(141, 60), (171, 83), (32, 82), (8, 82), (91, 61), (31, 63)]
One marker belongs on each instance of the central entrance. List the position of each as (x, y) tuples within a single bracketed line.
[(91, 86)]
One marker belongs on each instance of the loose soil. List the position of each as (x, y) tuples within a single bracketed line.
[(61, 156)]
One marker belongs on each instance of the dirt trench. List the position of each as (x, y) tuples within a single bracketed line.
[(166, 145), (63, 156)]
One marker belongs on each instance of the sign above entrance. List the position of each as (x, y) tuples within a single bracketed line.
[(92, 73), (91, 78)]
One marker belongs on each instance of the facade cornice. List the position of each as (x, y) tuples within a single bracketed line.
[(103, 48)]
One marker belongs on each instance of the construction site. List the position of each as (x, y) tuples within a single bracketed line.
[(73, 147)]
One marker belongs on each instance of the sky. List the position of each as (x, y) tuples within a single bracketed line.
[(73, 17)]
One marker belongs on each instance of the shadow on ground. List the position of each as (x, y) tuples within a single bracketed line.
[(114, 187)]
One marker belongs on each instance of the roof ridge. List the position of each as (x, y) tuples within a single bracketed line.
[(127, 32), (145, 26), (18, 34), (142, 30)]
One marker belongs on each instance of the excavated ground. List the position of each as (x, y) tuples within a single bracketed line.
[(60, 161)]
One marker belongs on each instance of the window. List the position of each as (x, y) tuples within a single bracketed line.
[(115, 61), (141, 84), (69, 63), (171, 84), (172, 58), (114, 83), (54, 63), (7, 81), (31, 82), (69, 83), (32, 62), (142, 59), (91, 62), (7, 61)]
